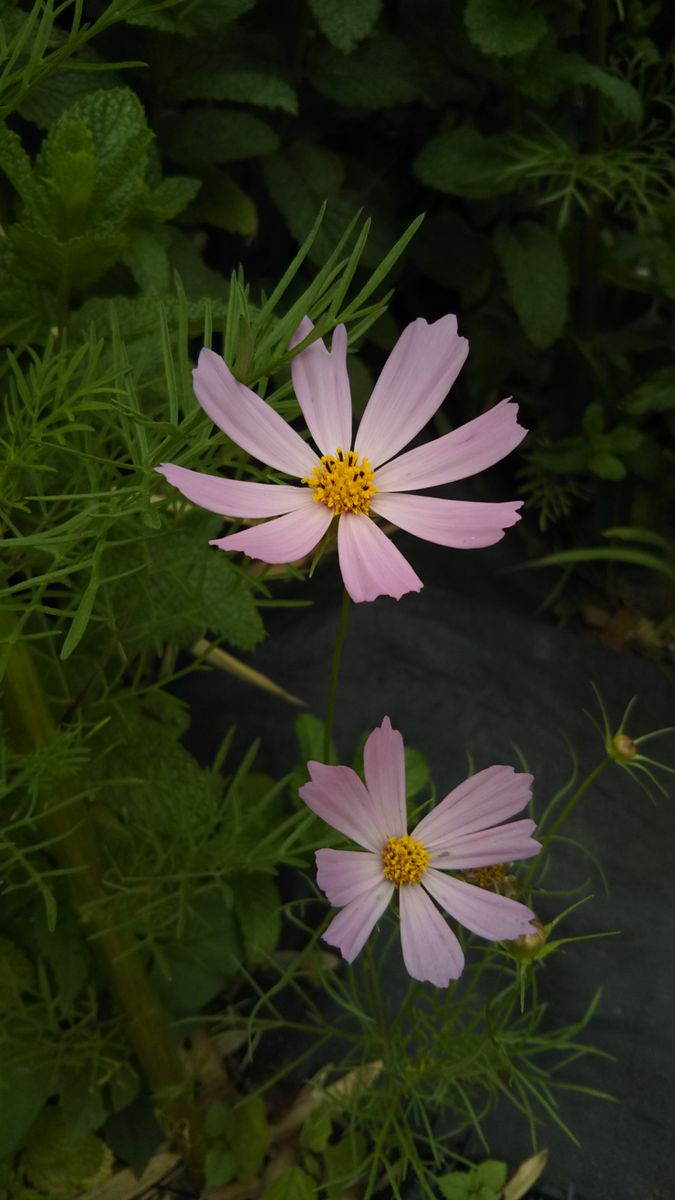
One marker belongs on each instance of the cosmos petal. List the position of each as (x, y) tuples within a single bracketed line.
[(480, 802), (504, 843), (350, 929), (339, 797), (345, 874), (431, 951), (233, 497), (283, 540), (413, 383), (457, 455), (321, 384), (485, 913), (464, 524), (247, 419), (370, 563), (384, 769)]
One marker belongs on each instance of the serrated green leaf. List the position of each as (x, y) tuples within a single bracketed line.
[(203, 136), (225, 205), (82, 260), (292, 1184), (187, 17), (504, 27), (56, 1163), (250, 1136), (121, 140), (462, 162), (347, 23), (625, 98), (16, 164), (257, 906), (456, 1186), (536, 274), (379, 74), (185, 590), (47, 101)]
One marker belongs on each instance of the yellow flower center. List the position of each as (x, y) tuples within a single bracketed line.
[(404, 860), (343, 482)]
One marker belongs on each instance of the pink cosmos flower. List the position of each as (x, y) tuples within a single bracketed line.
[(463, 832), (352, 484)]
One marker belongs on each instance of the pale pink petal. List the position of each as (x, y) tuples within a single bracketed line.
[(321, 384), (234, 497), (464, 524), (247, 419), (482, 800), (339, 797), (350, 929), (414, 381), (431, 951), (370, 563), (345, 874), (471, 448), (504, 843), (384, 769), (485, 913), (284, 540)]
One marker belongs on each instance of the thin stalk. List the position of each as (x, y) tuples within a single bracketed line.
[(589, 264), (565, 812), (334, 676), (73, 844)]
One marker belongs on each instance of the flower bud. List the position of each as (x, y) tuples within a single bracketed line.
[(623, 748), (528, 945)]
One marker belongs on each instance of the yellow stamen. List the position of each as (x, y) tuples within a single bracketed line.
[(404, 860), (493, 879), (343, 482)]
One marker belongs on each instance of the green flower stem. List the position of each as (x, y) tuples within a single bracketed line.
[(334, 675), (74, 845), (565, 812)]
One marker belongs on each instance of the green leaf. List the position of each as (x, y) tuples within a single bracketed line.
[(456, 1186), (225, 205), (625, 98), (82, 260), (416, 772), (46, 102), (347, 23), (218, 70), (462, 162), (218, 1121), (219, 1166), (250, 1136), (379, 74), (257, 906), (202, 136), (292, 1184), (16, 164), (504, 27), (536, 274), (17, 974), (655, 395), (56, 1162), (188, 17), (171, 196), (25, 1087), (606, 465), (344, 1162), (491, 1174), (121, 140), (316, 1131), (147, 259), (195, 968)]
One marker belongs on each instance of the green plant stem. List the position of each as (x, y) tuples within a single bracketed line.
[(334, 676), (74, 845), (565, 812)]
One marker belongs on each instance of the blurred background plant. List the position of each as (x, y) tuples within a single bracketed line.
[(146, 150)]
